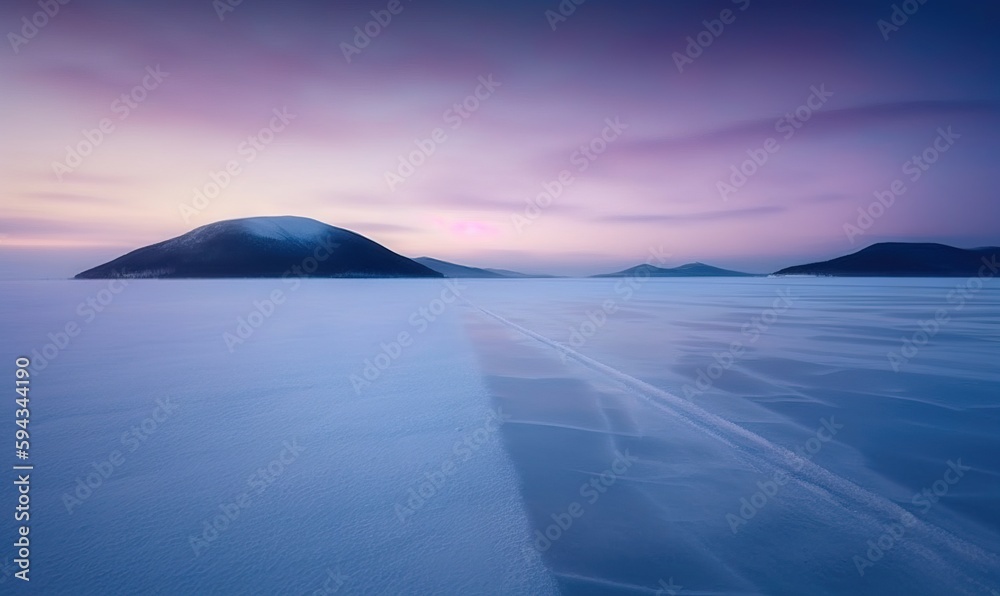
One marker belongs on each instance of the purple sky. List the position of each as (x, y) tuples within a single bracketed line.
[(656, 182)]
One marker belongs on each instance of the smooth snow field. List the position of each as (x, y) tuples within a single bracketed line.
[(604, 436)]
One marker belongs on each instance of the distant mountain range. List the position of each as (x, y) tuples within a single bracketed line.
[(689, 270), (507, 273), (901, 259), (282, 246), (452, 270), (262, 247)]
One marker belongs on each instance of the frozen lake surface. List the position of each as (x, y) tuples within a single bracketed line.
[(606, 436)]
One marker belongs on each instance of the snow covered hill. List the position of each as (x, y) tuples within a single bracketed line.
[(262, 247)]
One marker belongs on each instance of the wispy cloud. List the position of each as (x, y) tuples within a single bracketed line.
[(682, 218), (833, 121)]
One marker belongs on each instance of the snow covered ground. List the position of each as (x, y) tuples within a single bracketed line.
[(613, 436)]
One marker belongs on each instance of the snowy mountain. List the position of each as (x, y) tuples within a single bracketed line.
[(904, 259), (262, 247), (689, 270)]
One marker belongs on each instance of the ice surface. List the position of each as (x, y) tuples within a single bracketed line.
[(331, 509), (823, 356), (584, 371)]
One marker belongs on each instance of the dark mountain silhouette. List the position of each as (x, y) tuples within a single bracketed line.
[(262, 247), (903, 259), (689, 270)]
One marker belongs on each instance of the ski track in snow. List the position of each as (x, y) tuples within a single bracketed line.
[(769, 455)]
